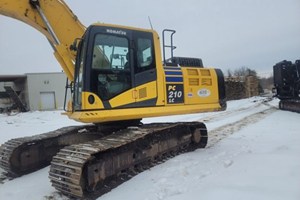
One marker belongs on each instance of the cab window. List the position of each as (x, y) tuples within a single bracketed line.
[(145, 55), (110, 52)]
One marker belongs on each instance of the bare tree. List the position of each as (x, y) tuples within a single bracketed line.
[(244, 71)]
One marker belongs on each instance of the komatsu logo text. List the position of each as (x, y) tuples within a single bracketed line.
[(119, 32)]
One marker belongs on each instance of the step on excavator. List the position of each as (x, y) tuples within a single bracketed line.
[(117, 77), (287, 85)]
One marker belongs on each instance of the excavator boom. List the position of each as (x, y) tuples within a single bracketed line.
[(55, 20)]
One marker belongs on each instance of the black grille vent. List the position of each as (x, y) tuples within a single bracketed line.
[(185, 62)]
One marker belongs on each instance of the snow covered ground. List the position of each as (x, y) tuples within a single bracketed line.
[(253, 153)]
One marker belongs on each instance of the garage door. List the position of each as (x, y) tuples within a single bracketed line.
[(47, 100)]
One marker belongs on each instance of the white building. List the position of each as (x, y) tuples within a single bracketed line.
[(36, 91)]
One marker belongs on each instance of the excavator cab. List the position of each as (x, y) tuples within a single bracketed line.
[(111, 61)]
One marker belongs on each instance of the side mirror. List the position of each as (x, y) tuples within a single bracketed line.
[(74, 45)]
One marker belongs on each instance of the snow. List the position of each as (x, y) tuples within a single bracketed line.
[(255, 156), (31, 123), (32, 186)]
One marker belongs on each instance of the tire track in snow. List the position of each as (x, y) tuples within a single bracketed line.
[(218, 134), (220, 115), (223, 114)]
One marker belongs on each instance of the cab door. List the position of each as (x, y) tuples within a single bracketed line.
[(109, 72), (145, 74)]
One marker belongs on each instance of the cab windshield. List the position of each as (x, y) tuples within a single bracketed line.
[(110, 52), (110, 65)]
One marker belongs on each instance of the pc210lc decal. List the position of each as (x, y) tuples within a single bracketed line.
[(175, 93)]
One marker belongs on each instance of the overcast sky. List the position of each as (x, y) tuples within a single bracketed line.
[(226, 34)]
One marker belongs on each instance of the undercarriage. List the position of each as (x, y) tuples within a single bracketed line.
[(88, 161)]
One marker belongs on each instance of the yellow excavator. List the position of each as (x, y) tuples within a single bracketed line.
[(118, 76)]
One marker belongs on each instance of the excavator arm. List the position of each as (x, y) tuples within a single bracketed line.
[(55, 20)]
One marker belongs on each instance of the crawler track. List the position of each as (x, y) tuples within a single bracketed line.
[(290, 105), (24, 155), (92, 168)]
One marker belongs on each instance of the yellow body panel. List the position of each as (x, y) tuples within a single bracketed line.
[(146, 91), (97, 101), (161, 91), (201, 88), (141, 93), (127, 97), (137, 113)]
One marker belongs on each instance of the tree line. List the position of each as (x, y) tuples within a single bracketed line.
[(264, 82)]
